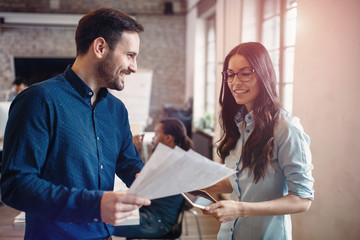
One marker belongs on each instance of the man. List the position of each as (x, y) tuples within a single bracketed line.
[(67, 136)]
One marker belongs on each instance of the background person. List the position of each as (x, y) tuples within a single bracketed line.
[(268, 148), (66, 137), (19, 84), (157, 219)]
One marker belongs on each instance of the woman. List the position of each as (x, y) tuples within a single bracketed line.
[(172, 132), (157, 219), (266, 145)]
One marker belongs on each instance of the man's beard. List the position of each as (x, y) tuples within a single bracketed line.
[(106, 72)]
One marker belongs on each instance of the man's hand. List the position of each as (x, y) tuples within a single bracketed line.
[(116, 207)]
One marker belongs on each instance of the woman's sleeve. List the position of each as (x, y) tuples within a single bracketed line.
[(294, 156)]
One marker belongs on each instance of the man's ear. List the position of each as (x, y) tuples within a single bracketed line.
[(100, 47)]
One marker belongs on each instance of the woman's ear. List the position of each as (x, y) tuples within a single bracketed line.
[(170, 141)]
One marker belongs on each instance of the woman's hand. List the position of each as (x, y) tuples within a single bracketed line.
[(227, 210)]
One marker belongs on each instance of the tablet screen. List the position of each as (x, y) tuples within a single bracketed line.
[(199, 199)]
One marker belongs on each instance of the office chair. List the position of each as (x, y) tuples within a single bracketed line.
[(176, 230), (196, 215)]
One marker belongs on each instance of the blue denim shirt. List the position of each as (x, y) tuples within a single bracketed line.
[(61, 154), (291, 174)]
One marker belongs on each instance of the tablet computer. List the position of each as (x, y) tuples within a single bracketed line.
[(199, 198)]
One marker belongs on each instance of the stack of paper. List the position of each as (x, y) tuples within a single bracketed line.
[(173, 171), (134, 219)]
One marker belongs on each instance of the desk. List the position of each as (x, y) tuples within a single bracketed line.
[(203, 141)]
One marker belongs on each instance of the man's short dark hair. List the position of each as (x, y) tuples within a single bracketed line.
[(20, 80), (104, 22)]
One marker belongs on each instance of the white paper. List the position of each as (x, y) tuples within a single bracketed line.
[(173, 171), (134, 219)]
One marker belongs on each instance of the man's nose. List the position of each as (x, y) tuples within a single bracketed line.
[(133, 66)]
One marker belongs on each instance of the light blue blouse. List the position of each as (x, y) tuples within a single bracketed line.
[(291, 174)]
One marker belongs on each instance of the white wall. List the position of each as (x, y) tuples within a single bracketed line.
[(326, 98), (228, 35)]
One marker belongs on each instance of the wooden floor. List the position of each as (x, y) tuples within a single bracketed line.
[(7, 231), (209, 226)]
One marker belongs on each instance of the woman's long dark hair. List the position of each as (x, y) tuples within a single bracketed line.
[(257, 152), (175, 128)]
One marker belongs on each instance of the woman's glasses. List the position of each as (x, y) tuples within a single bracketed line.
[(244, 75)]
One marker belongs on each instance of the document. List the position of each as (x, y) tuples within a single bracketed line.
[(134, 219), (173, 171)]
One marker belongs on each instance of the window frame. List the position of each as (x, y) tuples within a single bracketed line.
[(284, 86), (210, 64)]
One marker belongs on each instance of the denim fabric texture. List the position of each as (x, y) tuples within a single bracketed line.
[(61, 154)]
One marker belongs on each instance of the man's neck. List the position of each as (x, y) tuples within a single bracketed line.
[(84, 71)]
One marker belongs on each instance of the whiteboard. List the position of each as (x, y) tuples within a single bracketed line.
[(136, 96)]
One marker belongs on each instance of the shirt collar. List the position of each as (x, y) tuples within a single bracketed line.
[(80, 86), (242, 115)]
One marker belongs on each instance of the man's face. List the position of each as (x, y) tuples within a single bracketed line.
[(119, 62)]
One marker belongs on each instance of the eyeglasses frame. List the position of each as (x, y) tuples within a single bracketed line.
[(224, 74)]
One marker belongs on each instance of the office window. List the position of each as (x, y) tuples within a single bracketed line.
[(205, 72), (210, 65), (278, 28)]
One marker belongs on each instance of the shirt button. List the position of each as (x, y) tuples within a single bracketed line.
[(98, 138), (90, 93), (101, 166), (159, 220), (96, 220), (247, 130)]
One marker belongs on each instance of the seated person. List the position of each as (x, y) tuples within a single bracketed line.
[(157, 219)]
